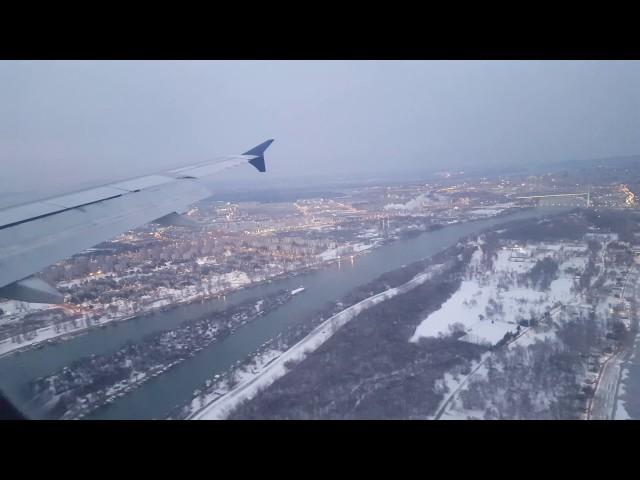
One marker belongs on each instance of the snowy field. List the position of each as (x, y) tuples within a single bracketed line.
[(474, 306), (561, 301)]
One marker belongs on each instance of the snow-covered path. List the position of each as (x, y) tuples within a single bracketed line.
[(445, 404)]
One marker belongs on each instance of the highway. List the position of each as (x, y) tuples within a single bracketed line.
[(603, 404), (604, 399)]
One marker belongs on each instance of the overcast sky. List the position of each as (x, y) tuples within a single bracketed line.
[(75, 121)]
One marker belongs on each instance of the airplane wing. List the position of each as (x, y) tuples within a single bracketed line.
[(38, 234)]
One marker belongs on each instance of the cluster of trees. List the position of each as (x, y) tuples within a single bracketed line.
[(181, 248), (582, 334), (542, 274), (590, 271), (493, 309), (572, 227), (535, 382), (26, 327), (490, 248), (620, 222), (369, 369), (620, 253), (542, 380), (106, 290), (85, 383)]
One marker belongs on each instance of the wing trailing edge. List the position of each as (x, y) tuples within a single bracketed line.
[(38, 234)]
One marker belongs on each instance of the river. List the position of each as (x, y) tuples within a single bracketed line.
[(159, 396)]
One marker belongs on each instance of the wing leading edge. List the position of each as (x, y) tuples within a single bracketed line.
[(38, 234)]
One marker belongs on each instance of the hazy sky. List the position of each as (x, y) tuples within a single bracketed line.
[(72, 121)]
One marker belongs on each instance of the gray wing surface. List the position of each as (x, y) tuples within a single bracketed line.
[(38, 234)]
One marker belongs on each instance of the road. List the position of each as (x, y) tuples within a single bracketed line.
[(605, 396), (603, 404), (441, 411)]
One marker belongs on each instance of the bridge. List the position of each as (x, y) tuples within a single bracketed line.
[(560, 199)]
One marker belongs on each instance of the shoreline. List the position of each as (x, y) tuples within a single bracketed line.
[(69, 335), (62, 337), (196, 334), (224, 400), (222, 406)]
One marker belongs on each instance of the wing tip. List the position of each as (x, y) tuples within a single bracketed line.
[(258, 151)]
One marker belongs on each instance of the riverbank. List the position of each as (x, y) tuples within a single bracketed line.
[(61, 332), (94, 381), (56, 333), (260, 374), (278, 366), (219, 397), (158, 397)]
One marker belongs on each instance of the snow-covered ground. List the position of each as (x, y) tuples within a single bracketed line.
[(48, 333), (15, 307), (79, 281), (222, 406), (493, 210), (371, 233), (470, 307), (487, 332), (206, 260), (572, 257), (219, 386), (452, 405), (621, 412), (453, 385), (335, 253), (122, 309)]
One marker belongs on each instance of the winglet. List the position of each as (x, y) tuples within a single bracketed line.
[(258, 151)]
